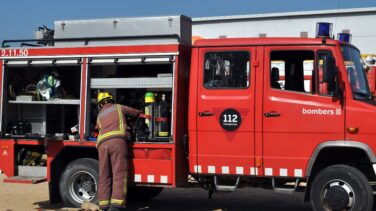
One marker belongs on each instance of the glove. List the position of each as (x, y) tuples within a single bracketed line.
[(145, 116)]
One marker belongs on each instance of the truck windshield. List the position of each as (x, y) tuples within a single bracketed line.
[(356, 73)]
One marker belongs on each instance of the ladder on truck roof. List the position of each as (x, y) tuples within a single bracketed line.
[(118, 31)]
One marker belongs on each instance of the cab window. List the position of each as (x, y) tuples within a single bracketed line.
[(223, 70), (292, 71)]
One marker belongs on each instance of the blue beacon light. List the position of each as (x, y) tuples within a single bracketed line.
[(344, 37), (324, 29)]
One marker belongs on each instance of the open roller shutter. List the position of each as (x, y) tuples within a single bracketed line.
[(133, 60), (24, 62)]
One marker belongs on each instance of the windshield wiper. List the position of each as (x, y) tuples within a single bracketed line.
[(362, 94)]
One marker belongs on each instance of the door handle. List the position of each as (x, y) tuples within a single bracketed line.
[(272, 114), (205, 113)]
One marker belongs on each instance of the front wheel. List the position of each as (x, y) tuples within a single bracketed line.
[(341, 187), (79, 182)]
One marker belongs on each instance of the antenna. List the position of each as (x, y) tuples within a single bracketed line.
[(336, 18)]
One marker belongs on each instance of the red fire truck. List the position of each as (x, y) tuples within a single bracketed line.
[(226, 113)]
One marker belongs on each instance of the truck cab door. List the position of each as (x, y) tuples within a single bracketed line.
[(225, 111), (300, 113)]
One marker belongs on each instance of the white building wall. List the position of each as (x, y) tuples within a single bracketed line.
[(360, 22)]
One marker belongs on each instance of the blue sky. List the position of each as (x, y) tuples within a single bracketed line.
[(19, 18)]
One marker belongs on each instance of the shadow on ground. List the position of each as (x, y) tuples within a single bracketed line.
[(45, 205), (197, 200)]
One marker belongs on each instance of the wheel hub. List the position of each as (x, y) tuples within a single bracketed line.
[(338, 196), (87, 186), (83, 186)]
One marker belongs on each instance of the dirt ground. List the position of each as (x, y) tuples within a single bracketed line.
[(28, 197), (25, 197)]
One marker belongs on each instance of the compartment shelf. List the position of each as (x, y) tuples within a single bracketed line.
[(55, 102), (108, 83)]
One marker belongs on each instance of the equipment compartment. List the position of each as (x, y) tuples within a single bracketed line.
[(31, 161), (40, 100), (144, 86)]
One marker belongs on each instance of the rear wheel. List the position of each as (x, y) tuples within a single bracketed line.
[(79, 182), (341, 187)]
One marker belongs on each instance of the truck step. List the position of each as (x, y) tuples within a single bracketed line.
[(25, 179), (285, 189), (227, 188)]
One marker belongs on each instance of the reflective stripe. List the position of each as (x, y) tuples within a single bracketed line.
[(104, 202), (120, 132), (120, 117), (118, 201), (106, 135)]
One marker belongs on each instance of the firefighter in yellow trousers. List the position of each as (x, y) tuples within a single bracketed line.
[(113, 152)]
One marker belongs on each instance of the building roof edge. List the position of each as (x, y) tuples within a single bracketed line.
[(284, 14)]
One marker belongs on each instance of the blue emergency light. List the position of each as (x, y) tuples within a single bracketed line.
[(344, 37), (324, 29)]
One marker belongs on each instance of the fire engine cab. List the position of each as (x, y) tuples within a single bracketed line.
[(291, 114)]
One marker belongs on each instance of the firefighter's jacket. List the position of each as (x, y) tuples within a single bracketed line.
[(111, 121)]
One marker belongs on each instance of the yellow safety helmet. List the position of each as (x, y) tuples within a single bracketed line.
[(102, 96)]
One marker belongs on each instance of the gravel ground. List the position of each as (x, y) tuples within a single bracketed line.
[(24, 197)]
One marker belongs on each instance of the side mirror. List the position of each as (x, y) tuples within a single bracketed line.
[(329, 66)]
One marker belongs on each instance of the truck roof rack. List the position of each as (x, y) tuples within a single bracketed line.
[(116, 31), (85, 41)]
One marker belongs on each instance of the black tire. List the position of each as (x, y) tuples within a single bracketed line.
[(138, 194), (79, 182), (341, 187)]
